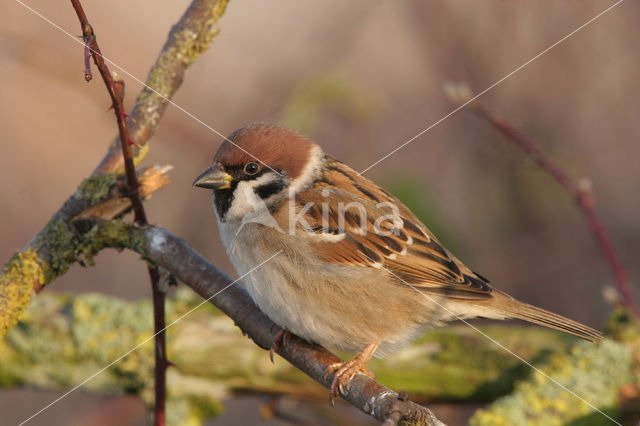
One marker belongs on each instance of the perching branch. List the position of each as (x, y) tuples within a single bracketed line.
[(181, 260), (582, 194), (116, 92), (82, 239)]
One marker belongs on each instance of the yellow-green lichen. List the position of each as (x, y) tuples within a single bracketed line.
[(16, 285), (571, 386), (63, 339), (194, 44), (97, 188), (66, 244), (186, 43), (623, 326), (61, 246), (142, 153)]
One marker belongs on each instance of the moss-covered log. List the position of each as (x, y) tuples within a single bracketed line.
[(63, 339)]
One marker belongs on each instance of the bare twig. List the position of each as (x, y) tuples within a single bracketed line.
[(160, 347), (117, 96), (88, 76), (116, 92), (581, 194)]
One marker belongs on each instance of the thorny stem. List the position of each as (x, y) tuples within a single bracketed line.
[(116, 92), (582, 196)]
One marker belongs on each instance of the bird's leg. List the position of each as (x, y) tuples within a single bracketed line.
[(344, 371), (279, 341)]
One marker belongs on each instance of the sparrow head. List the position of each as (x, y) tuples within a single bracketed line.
[(258, 165)]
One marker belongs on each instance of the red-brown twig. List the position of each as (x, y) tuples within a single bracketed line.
[(582, 196), (160, 351), (116, 92), (117, 95)]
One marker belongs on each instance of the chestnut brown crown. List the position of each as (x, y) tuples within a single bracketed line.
[(281, 149)]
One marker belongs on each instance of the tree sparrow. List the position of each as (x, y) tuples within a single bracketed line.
[(356, 270)]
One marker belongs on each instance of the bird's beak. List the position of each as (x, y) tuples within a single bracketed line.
[(214, 178)]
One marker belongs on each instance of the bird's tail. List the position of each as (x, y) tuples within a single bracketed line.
[(515, 309)]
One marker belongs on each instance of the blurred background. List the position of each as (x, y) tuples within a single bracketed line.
[(360, 78)]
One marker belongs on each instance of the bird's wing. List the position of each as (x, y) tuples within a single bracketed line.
[(391, 237), (352, 221)]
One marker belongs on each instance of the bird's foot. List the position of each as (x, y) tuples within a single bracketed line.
[(343, 372), (279, 341)]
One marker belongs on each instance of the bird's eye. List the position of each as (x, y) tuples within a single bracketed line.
[(251, 168)]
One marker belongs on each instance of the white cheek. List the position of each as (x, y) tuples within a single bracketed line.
[(245, 201)]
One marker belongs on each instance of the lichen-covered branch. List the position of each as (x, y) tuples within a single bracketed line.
[(55, 248), (31, 269), (62, 339)]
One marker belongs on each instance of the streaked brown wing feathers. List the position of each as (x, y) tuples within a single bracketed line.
[(410, 252)]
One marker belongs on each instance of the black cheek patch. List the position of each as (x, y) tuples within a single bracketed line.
[(222, 199), (267, 190)]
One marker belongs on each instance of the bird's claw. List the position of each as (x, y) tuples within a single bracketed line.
[(343, 373), (279, 341)]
